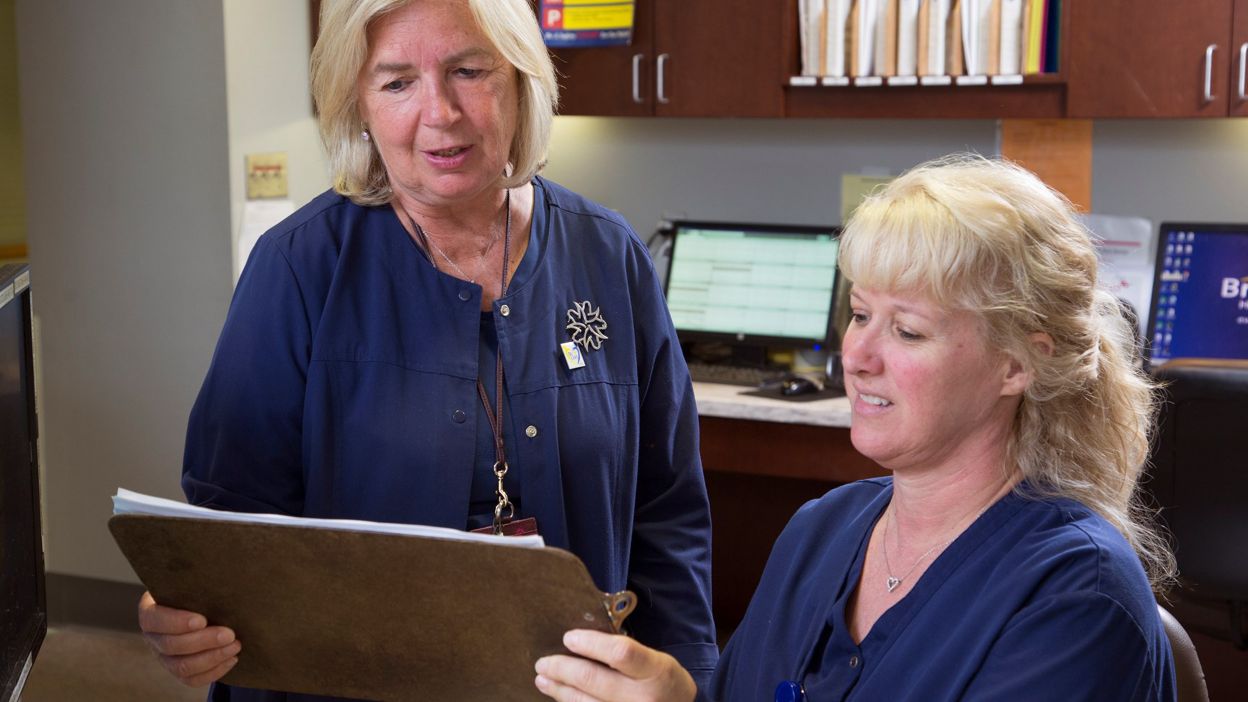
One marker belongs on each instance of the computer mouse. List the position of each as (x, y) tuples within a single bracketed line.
[(798, 385)]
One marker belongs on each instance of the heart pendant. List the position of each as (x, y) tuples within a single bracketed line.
[(893, 583)]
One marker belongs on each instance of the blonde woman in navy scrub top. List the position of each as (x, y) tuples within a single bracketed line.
[(444, 312), (1006, 557)]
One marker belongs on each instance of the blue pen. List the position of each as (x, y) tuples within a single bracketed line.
[(789, 691)]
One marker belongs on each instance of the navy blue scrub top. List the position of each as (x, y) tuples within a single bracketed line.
[(1039, 599), (344, 386)]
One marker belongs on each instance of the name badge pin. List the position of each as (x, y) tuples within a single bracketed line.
[(572, 355)]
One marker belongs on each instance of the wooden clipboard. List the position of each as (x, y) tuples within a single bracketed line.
[(367, 615)]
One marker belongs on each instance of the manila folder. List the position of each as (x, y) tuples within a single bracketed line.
[(368, 615)]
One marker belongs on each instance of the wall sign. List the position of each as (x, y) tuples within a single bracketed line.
[(581, 23)]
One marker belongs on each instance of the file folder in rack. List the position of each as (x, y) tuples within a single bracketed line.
[(371, 615)]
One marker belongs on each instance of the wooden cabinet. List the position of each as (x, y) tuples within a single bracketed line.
[(758, 474), (1039, 97), (733, 58), (1238, 92), (1152, 58), (689, 58)]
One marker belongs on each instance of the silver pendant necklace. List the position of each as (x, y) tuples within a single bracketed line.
[(424, 238), (894, 581)]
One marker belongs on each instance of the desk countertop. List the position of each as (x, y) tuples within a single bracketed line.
[(720, 400)]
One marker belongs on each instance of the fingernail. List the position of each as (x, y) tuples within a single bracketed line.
[(540, 666), (233, 649), (225, 636), (197, 622), (542, 683), (231, 663), (572, 638)]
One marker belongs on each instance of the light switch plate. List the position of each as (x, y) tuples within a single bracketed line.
[(266, 175)]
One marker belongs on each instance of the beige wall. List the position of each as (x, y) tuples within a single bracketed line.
[(266, 64), (12, 207), (124, 134)]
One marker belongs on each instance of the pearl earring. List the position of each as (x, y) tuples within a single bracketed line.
[(365, 135)]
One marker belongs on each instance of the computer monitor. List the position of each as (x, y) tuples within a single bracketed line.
[(25, 620), (1199, 307), (753, 283)]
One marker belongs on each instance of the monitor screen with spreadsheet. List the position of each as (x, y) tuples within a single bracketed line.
[(753, 283), (1199, 307)]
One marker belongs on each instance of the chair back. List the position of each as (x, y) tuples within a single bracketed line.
[(1200, 481), (1189, 677)]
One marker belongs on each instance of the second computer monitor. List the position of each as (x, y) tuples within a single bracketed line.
[(753, 283), (1200, 293)]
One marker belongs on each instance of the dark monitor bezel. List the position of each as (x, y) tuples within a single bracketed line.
[(26, 638), (830, 338), (1159, 255)]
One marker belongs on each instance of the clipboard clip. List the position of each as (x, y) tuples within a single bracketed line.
[(619, 605)]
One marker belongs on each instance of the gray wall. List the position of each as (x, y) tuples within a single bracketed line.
[(789, 170), (766, 170), (1179, 170), (124, 127)]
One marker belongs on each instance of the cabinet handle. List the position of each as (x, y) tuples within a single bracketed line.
[(1209, 72), (659, 85), (1243, 59), (637, 78)]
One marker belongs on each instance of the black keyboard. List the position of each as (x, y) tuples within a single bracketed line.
[(733, 375)]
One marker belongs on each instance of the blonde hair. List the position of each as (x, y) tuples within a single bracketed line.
[(988, 236), (342, 50)]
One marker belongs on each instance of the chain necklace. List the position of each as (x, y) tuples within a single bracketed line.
[(894, 581), (424, 238)]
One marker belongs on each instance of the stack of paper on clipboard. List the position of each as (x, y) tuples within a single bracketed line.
[(364, 609), (935, 42)]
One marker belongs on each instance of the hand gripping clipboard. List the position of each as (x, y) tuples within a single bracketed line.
[(368, 615)]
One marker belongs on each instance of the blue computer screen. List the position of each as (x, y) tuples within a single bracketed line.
[(1200, 293)]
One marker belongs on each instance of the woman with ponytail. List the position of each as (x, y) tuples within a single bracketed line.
[(1007, 557)]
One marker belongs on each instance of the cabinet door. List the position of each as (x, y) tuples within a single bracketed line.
[(600, 80), (1239, 57), (1147, 58), (719, 58)]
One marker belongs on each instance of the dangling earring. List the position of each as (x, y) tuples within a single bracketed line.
[(365, 135)]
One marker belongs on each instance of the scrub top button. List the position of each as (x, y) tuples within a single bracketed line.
[(465, 295), (459, 417), (530, 431), (504, 310), (853, 661)]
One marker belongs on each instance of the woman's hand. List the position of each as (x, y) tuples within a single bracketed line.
[(618, 670), (195, 653)]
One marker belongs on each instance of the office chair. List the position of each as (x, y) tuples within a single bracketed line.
[(1200, 481), (1189, 677)]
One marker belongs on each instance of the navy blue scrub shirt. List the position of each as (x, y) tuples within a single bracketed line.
[(344, 386), (1040, 599)]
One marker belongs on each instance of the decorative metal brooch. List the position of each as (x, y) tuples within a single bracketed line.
[(586, 325)]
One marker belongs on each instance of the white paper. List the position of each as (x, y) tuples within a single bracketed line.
[(810, 25), (259, 216), (907, 37), (1124, 250), (834, 55), (937, 27), (976, 35), (868, 11), (129, 502), (1010, 61)]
